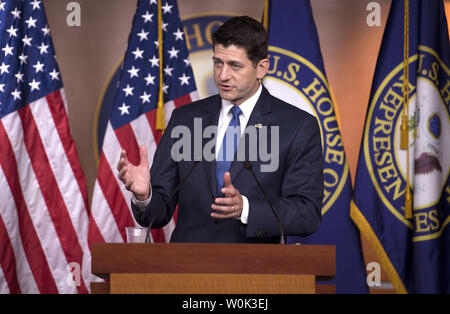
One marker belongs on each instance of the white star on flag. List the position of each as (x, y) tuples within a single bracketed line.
[(178, 34), (46, 30), (4, 68), (8, 50), (34, 85), (165, 88), (16, 94), (12, 31), (143, 35), (23, 58), (16, 13), (39, 67), (43, 48), (184, 79), (145, 97), (31, 22), (150, 79), (133, 72), (154, 61), (138, 53), (27, 40), (147, 17), (54, 75), (173, 53), (168, 70), (167, 8), (19, 77), (124, 109), (128, 90), (35, 4)]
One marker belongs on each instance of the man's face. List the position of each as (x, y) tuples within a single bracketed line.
[(235, 75)]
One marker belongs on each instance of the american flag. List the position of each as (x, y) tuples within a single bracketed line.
[(133, 118), (43, 201)]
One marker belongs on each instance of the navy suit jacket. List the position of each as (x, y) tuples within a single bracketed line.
[(295, 188)]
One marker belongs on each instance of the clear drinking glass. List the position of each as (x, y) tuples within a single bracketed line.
[(136, 234)]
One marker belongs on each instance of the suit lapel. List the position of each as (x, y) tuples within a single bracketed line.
[(210, 117), (259, 116)]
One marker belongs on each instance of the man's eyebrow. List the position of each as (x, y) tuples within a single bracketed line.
[(228, 62), (235, 62)]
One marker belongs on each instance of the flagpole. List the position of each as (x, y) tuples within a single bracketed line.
[(160, 119), (266, 15)]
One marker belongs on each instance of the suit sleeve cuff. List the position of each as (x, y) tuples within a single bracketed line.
[(141, 205)]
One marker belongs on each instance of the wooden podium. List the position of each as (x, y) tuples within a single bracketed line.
[(173, 268)]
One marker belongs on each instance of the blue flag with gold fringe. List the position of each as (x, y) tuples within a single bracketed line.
[(402, 191), (297, 75)]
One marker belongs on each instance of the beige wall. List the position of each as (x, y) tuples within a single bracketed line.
[(87, 55)]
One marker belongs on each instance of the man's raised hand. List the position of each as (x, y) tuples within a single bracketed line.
[(135, 178)]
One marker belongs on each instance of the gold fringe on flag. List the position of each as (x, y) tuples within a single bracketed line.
[(404, 135), (408, 203), (160, 119), (404, 140)]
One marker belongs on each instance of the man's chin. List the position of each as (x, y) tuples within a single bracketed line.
[(226, 96)]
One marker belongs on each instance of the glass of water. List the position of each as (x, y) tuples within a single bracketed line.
[(136, 234)]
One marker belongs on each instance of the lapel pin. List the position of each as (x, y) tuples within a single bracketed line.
[(258, 125)]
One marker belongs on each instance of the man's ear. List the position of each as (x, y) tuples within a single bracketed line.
[(263, 67)]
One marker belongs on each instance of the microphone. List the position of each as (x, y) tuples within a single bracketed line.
[(171, 196), (248, 166)]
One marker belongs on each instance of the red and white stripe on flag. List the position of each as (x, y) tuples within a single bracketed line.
[(111, 204), (44, 213)]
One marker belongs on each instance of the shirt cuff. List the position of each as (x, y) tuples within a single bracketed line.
[(245, 209), (141, 205)]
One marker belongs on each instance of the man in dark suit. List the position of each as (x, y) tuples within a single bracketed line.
[(220, 200)]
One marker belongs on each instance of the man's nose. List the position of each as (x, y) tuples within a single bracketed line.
[(224, 74)]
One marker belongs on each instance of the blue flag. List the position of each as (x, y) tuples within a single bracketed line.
[(412, 69), (297, 75)]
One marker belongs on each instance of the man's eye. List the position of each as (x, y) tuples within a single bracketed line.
[(236, 66)]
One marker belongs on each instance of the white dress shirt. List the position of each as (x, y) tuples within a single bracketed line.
[(225, 117)]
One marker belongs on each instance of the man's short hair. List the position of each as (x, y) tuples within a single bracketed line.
[(245, 32)]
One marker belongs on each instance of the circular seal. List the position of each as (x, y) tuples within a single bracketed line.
[(426, 163), (297, 81)]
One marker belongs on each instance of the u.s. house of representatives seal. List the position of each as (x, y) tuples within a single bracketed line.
[(429, 144), (297, 81)]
